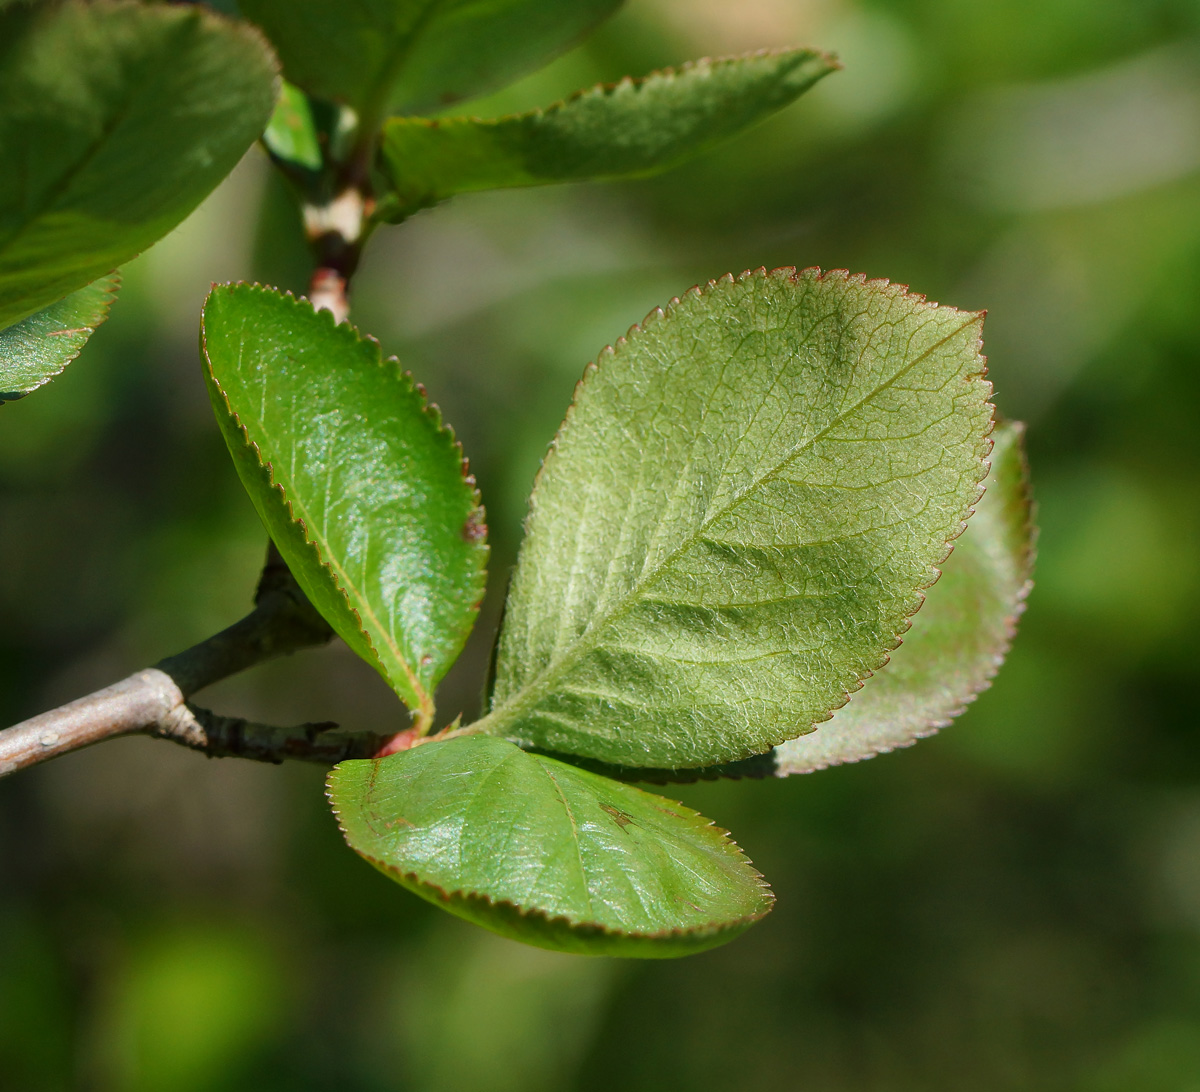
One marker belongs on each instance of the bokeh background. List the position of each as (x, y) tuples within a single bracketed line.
[(1012, 905)]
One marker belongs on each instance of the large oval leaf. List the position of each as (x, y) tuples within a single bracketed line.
[(635, 127), (38, 348), (364, 491), (737, 518), (958, 639), (413, 56), (116, 119), (546, 853)]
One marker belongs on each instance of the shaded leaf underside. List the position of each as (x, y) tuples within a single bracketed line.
[(362, 488), (631, 128), (958, 639), (737, 519), (116, 119), (547, 853), (38, 348)]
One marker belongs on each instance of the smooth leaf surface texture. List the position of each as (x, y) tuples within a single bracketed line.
[(737, 518), (547, 853), (410, 56), (38, 348), (363, 489), (116, 119), (291, 134), (958, 639), (635, 127)]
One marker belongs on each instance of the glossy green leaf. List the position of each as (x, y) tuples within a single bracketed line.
[(737, 518), (363, 489), (291, 134), (958, 639), (38, 348), (411, 56), (116, 119), (543, 852), (635, 127)]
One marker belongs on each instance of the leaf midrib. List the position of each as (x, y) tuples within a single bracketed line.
[(397, 54), (536, 687), (348, 586)]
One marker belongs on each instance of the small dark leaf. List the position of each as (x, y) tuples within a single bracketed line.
[(291, 134), (412, 56)]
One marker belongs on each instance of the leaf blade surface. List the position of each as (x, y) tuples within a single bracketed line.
[(39, 347), (958, 639), (737, 518), (363, 489), (408, 56), (120, 118), (629, 129), (547, 853)]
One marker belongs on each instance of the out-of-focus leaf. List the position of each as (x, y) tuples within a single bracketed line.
[(38, 348), (116, 119), (363, 489), (291, 134), (737, 518), (958, 639), (635, 127), (409, 56), (547, 853)]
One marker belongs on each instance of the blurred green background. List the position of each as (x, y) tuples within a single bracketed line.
[(1014, 904)]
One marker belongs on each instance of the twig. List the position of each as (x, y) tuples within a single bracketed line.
[(232, 737), (154, 701)]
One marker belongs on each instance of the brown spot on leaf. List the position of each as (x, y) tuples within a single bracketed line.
[(622, 820), (474, 530)]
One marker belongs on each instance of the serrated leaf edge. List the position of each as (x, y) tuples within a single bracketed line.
[(708, 929), (602, 89), (983, 681), (109, 290), (425, 709), (882, 284)]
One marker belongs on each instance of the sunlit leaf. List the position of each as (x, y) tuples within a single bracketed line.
[(546, 853), (409, 56), (291, 134), (116, 119), (363, 489), (38, 348), (737, 518), (958, 639), (635, 127)]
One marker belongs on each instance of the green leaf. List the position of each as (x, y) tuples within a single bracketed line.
[(38, 348), (291, 134), (364, 491), (410, 56), (737, 518), (958, 639), (540, 851), (116, 119), (635, 127)]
